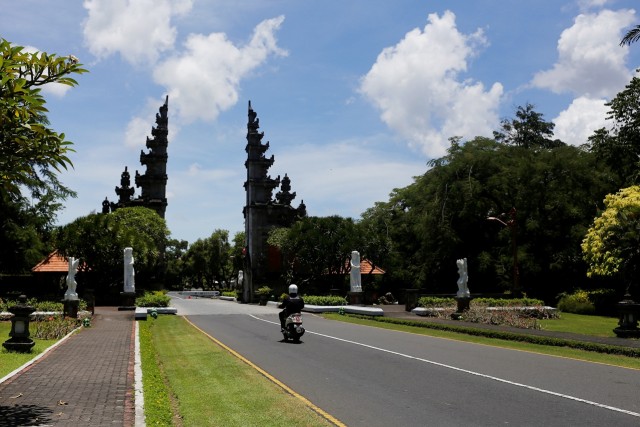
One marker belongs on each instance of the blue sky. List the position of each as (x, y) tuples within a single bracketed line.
[(354, 96)]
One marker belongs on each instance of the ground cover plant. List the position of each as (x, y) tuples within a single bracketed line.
[(235, 395), (522, 313)]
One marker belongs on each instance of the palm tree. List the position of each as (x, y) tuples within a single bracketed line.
[(632, 36)]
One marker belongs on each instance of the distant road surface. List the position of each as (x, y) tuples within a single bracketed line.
[(366, 376)]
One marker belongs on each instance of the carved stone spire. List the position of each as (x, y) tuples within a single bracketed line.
[(285, 196)]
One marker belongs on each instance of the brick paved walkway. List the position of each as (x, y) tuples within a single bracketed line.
[(86, 381)]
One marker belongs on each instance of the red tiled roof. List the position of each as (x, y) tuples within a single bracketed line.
[(367, 268), (53, 263)]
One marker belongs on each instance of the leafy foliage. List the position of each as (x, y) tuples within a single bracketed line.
[(632, 36), (442, 217), (324, 300), (316, 250), (30, 154), (612, 244), (99, 240), (207, 263), (153, 299), (619, 145)]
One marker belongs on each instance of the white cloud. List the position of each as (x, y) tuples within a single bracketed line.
[(590, 61), (577, 123), (353, 175), (137, 29), (204, 79), (416, 86)]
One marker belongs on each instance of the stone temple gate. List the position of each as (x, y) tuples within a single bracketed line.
[(262, 213), (153, 183)]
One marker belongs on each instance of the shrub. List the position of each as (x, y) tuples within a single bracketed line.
[(47, 306), (437, 302), (578, 302), (153, 299), (229, 294), (325, 300), (507, 302), (264, 290)]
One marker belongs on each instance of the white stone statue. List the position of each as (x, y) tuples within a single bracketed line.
[(463, 289), (240, 282), (129, 272), (355, 277), (71, 294)]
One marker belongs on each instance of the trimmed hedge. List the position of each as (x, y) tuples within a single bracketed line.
[(324, 300), (510, 336)]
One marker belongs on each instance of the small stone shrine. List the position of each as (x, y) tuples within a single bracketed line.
[(153, 183), (262, 212)]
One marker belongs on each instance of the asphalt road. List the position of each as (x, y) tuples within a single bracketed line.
[(367, 376)]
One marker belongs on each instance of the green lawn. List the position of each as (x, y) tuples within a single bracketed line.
[(206, 385), (598, 326), (10, 361)]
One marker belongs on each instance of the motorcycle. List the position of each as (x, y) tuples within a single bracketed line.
[(293, 328)]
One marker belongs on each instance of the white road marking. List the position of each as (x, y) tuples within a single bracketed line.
[(466, 371)]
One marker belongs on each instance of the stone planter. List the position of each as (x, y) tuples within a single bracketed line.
[(629, 312)]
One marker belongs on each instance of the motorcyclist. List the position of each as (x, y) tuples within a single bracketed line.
[(292, 303)]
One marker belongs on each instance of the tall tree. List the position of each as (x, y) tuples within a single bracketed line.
[(31, 153), (528, 130), (443, 215), (317, 250), (619, 145), (208, 262)]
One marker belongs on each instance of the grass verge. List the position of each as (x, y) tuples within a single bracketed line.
[(10, 361), (209, 385), (612, 355)]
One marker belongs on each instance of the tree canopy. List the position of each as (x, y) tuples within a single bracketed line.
[(31, 153), (99, 241), (442, 216), (612, 244)]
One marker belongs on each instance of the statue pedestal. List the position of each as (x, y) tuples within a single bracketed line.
[(128, 301), (463, 305), (71, 308), (356, 298)]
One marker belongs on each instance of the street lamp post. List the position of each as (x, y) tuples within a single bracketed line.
[(512, 226)]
